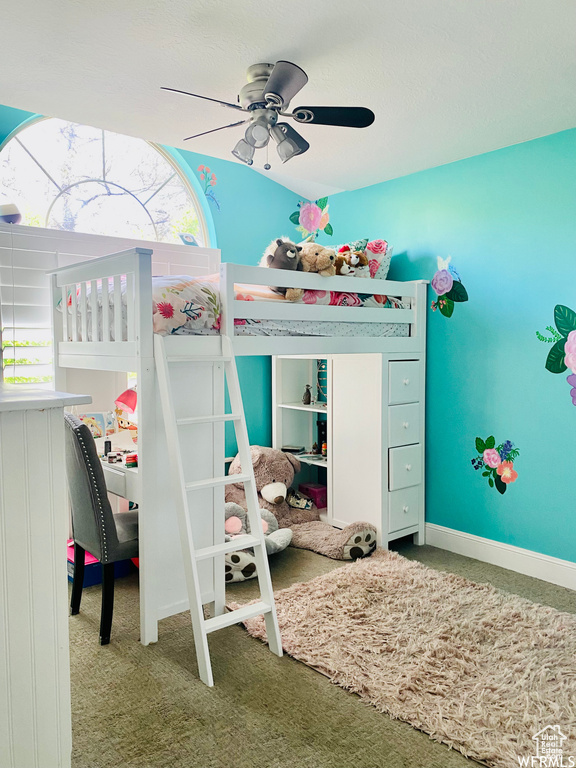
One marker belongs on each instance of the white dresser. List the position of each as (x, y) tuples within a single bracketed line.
[(375, 410), (35, 725)]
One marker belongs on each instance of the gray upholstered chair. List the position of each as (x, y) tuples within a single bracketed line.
[(95, 528)]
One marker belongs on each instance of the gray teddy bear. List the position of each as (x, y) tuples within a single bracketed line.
[(241, 565)]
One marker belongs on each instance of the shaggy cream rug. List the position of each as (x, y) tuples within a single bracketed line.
[(478, 669)]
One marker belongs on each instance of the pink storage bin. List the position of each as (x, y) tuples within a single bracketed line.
[(318, 493)]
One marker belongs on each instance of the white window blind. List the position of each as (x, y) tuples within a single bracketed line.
[(25, 314), (26, 254)]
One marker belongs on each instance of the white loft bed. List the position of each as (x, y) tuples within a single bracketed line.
[(199, 388)]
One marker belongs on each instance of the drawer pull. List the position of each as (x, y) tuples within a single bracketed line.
[(408, 467), (405, 508), (406, 382), (405, 424)]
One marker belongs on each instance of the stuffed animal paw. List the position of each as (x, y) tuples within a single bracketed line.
[(360, 544)]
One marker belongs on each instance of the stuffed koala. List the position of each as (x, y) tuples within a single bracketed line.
[(274, 472), (283, 254), (241, 565), (317, 258)]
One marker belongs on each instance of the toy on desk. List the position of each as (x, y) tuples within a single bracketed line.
[(307, 396)]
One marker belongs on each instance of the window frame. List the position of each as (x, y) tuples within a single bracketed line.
[(172, 156)]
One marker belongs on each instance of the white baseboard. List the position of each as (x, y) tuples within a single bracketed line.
[(552, 569)]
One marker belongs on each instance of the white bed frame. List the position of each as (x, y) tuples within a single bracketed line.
[(200, 389)]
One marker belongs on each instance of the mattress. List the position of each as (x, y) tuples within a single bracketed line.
[(191, 306)]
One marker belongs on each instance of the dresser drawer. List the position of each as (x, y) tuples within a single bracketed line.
[(405, 466), (115, 480), (404, 386), (404, 508), (403, 424)]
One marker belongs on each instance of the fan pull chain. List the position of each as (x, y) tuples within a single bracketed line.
[(267, 165)]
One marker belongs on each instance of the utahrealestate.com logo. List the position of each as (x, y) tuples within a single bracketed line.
[(549, 751)]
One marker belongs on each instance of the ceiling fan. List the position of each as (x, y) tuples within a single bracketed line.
[(265, 98)]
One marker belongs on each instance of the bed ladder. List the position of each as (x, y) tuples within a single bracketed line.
[(191, 556)]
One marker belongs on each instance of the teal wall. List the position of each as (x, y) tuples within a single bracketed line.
[(508, 220), (252, 211)]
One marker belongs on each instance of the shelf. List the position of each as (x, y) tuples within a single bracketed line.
[(321, 461), (301, 407)]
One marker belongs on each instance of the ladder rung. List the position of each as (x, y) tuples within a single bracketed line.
[(207, 419), (213, 482), (198, 359), (240, 542), (234, 617)]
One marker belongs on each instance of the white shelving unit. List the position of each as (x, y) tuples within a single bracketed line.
[(374, 469)]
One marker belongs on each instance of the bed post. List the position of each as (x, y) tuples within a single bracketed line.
[(56, 294), (227, 300), (147, 464)]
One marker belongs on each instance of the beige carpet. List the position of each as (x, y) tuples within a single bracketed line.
[(476, 668)]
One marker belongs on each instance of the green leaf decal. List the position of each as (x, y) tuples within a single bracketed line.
[(457, 292), (295, 217), (446, 306), (480, 446), (555, 360), (500, 486), (322, 203), (490, 442), (328, 229), (565, 319), (485, 474), (491, 482)]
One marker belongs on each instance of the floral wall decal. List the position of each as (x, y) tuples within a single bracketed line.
[(496, 462), (562, 355), (208, 179), (448, 285), (312, 218)]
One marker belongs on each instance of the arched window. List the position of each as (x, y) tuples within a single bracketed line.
[(63, 175)]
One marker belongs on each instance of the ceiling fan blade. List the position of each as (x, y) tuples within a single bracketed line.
[(350, 117), (232, 125), (207, 98), (285, 81)]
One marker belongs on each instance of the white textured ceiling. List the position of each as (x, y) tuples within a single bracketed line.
[(447, 79)]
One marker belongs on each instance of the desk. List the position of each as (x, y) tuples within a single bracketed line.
[(35, 721), (122, 481)]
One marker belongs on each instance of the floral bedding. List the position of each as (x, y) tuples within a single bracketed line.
[(185, 304)]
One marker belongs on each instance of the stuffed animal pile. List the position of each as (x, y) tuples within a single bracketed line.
[(274, 472), (306, 257)]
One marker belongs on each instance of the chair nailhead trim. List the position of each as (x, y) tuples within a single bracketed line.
[(98, 498)]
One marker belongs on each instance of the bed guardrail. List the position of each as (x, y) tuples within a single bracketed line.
[(412, 293), (77, 292)]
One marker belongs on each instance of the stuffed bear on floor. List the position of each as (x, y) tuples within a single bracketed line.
[(274, 471), (241, 565)]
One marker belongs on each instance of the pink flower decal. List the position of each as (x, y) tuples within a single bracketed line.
[(200, 167), (491, 458), (377, 246), (570, 351), (442, 282), (507, 472), (166, 309), (310, 217)]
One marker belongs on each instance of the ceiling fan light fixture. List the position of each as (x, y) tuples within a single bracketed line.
[(258, 134), (244, 151), (289, 142)]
